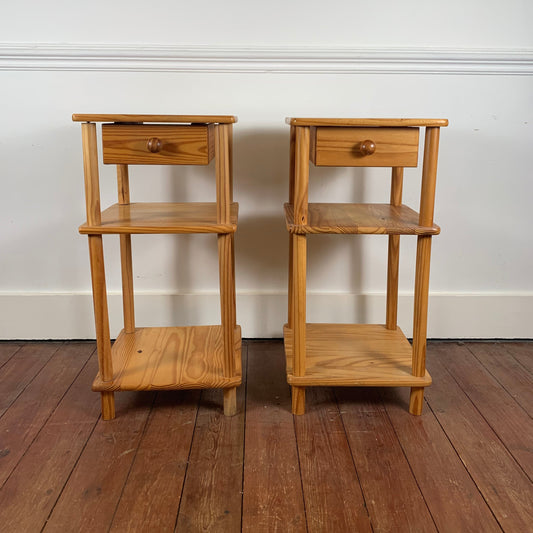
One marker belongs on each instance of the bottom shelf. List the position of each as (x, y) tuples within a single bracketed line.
[(364, 355), (171, 359)]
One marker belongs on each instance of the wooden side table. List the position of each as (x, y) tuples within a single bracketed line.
[(196, 357), (359, 354)]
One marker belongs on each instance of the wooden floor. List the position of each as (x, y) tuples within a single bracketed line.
[(356, 462)]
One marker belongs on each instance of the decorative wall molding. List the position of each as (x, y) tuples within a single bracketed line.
[(262, 314), (261, 59)]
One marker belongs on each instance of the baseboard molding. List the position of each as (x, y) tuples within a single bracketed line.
[(262, 315), (263, 59)]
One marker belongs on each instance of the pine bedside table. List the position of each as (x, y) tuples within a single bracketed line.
[(196, 357), (360, 354)]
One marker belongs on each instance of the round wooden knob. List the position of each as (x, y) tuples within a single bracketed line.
[(367, 147), (154, 145)]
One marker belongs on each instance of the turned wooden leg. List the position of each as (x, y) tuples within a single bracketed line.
[(298, 400), (423, 255), (299, 294), (227, 300), (230, 401), (416, 400), (108, 405)]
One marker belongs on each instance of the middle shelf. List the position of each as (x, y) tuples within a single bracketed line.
[(359, 218), (161, 217)]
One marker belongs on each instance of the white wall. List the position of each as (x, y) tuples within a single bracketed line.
[(469, 62)]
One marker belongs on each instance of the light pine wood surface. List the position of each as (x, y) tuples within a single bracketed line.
[(365, 147), (195, 357), (370, 122), (359, 218), (171, 359), (160, 217), (364, 355), (183, 119), (159, 144)]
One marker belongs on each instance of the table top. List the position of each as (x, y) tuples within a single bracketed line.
[(186, 119), (378, 122)]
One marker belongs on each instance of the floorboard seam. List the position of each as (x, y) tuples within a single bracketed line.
[(188, 461), (133, 461), (353, 459), (487, 422), (71, 471), (32, 379), (47, 419), (407, 459), (244, 431), (464, 465), (12, 355)]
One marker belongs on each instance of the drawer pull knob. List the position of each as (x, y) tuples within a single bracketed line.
[(154, 145), (367, 147)]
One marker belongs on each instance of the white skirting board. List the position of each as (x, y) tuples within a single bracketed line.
[(262, 315)]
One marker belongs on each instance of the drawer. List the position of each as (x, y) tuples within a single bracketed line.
[(364, 147), (161, 144)]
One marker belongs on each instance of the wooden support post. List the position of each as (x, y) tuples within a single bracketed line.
[(96, 253), (125, 254), (394, 254), (224, 171), (423, 255), (299, 266), (290, 320)]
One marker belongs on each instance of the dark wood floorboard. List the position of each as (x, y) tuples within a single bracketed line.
[(356, 461), (273, 499), (502, 482), (382, 465)]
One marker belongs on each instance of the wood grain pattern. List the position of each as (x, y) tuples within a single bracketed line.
[(301, 174), (393, 259), (212, 493), (299, 275), (7, 351), (49, 460), (171, 359), (126, 264), (150, 498), (370, 122), (514, 424), (101, 317), (90, 497), (381, 464), (354, 355), (420, 319), (329, 478), (498, 359), (503, 483), (30, 411), (393, 147), (273, 499), (21, 369), (223, 171), (451, 495), (177, 145), (185, 119), (90, 173), (359, 219), (429, 176), (160, 218)]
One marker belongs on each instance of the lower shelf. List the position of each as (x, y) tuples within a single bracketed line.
[(364, 355), (171, 359)]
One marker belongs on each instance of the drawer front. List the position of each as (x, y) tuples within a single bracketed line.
[(364, 147), (145, 144)]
